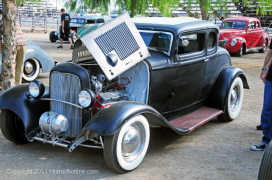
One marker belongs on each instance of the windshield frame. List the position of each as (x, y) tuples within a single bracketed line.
[(159, 32)]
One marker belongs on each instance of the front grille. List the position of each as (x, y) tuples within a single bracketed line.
[(65, 87)]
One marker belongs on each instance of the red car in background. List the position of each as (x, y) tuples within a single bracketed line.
[(243, 34)]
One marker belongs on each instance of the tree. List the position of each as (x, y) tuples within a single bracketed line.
[(206, 7), (9, 45)]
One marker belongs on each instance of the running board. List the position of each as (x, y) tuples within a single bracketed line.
[(196, 119), (253, 49)]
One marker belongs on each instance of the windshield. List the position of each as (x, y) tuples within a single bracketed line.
[(77, 20), (158, 41), (233, 25)]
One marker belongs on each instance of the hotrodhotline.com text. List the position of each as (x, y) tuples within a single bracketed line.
[(49, 171)]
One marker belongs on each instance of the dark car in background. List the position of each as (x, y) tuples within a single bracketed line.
[(243, 34), (126, 77), (79, 26)]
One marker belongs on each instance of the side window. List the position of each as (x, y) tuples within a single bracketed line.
[(100, 20), (90, 21), (251, 25), (258, 25), (190, 43), (211, 41)]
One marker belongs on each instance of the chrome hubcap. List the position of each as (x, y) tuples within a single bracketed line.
[(234, 99), (133, 141), (130, 141), (28, 67)]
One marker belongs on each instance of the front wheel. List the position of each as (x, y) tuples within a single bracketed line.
[(265, 169), (125, 150), (234, 100), (240, 52), (12, 127), (31, 70)]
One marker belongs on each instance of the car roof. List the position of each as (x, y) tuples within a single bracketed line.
[(241, 18), (172, 24)]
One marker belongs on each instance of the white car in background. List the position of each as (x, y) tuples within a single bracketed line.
[(36, 60)]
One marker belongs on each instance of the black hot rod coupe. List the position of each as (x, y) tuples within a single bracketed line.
[(126, 76)]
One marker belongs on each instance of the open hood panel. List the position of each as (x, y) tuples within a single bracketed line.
[(116, 45)]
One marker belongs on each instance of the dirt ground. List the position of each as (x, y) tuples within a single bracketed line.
[(215, 151)]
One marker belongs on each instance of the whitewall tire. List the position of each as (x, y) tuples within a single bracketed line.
[(125, 150), (31, 70), (234, 100)]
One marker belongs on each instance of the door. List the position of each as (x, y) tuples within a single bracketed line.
[(188, 70), (251, 35)]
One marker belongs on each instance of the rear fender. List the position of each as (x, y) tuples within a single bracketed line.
[(18, 100), (218, 95)]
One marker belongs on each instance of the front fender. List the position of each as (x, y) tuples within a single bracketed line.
[(108, 121), (218, 95), (16, 99), (239, 42)]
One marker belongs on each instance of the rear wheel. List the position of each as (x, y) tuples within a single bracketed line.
[(264, 48), (12, 127), (31, 70), (125, 150), (53, 37), (265, 169), (234, 101)]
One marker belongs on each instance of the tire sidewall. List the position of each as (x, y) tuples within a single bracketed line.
[(133, 164), (265, 165), (233, 114)]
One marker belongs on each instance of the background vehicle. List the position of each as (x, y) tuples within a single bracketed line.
[(265, 169), (36, 59), (243, 34), (165, 72), (79, 25)]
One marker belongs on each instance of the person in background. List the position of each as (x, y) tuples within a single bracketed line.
[(65, 28), (266, 116), (20, 51), (1, 32)]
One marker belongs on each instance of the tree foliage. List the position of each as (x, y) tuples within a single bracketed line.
[(21, 2), (206, 7)]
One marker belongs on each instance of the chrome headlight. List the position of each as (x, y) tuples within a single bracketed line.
[(36, 89), (233, 42), (86, 98)]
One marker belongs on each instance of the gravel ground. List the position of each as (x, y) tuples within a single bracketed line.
[(213, 152)]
